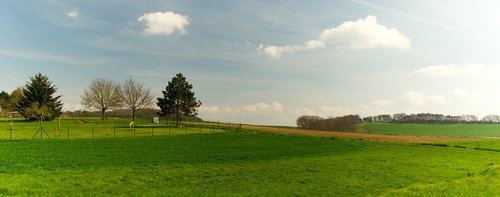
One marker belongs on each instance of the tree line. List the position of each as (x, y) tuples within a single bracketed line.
[(37, 100), (431, 118), (343, 124)]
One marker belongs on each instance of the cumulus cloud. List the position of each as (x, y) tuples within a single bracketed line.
[(164, 23), (207, 109), (260, 107), (364, 34), (445, 70), (72, 14), (72, 107), (361, 34), (420, 99), (303, 111)]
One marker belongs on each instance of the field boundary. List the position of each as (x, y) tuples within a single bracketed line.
[(349, 135)]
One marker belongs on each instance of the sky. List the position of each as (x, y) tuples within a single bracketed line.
[(266, 62)]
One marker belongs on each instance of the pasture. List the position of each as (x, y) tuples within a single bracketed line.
[(245, 162), (75, 128), (454, 130)]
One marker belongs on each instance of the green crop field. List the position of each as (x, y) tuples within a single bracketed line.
[(248, 163), (491, 130)]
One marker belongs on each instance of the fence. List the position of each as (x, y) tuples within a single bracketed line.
[(95, 128)]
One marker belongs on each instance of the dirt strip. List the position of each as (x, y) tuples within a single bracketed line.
[(364, 136), (376, 137)]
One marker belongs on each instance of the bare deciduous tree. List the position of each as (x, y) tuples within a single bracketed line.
[(102, 94), (136, 97)]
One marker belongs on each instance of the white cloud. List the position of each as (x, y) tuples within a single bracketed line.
[(303, 111), (72, 14), (275, 106), (276, 51), (361, 34), (261, 107), (164, 23), (420, 99), (365, 34), (207, 109), (313, 44), (445, 70)]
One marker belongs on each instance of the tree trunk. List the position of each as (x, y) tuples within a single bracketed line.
[(177, 118), (133, 115), (102, 114)]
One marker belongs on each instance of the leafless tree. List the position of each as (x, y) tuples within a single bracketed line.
[(136, 96), (102, 94)]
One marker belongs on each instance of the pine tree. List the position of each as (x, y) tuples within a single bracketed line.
[(37, 101), (179, 99)]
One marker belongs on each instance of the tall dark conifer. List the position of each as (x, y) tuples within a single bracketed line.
[(38, 100), (179, 99)]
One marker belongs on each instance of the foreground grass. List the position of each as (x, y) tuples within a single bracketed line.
[(243, 163)]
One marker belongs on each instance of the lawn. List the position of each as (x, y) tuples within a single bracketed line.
[(247, 163), (492, 130)]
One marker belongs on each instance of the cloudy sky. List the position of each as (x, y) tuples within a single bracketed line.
[(266, 62)]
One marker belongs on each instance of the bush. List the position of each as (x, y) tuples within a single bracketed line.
[(344, 124)]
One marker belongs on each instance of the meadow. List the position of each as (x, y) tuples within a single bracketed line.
[(455, 130), (75, 128), (242, 162)]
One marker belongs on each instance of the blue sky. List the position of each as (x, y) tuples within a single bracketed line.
[(266, 62)]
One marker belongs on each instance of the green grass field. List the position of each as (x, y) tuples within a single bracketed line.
[(97, 128), (245, 163), (491, 130)]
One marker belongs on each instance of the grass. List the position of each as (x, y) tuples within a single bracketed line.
[(244, 163), (97, 128), (492, 130)]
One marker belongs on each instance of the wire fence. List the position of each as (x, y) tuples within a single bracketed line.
[(96, 128)]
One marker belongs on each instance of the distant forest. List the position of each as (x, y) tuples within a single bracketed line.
[(431, 118)]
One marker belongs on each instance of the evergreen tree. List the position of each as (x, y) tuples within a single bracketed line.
[(37, 101), (4, 99), (179, 99)]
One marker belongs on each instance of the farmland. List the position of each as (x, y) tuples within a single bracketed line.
[(244, 162), (456, 130)]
